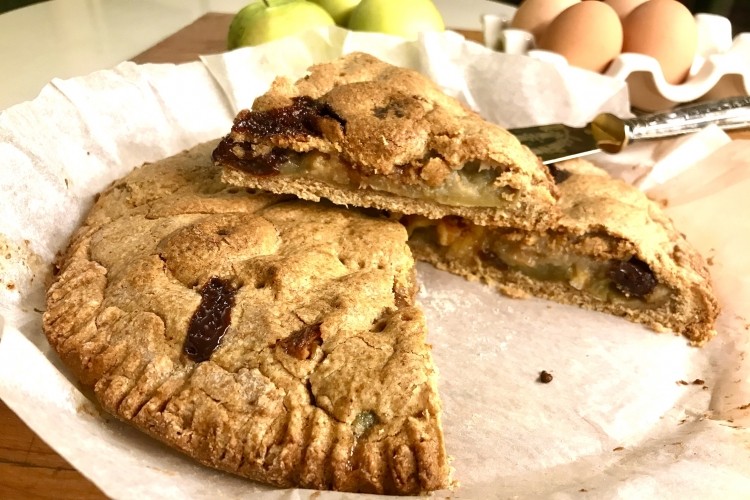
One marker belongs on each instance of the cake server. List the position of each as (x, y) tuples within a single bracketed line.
[(612, 134)]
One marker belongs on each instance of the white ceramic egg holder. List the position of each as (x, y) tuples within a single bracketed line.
[(720, 69)]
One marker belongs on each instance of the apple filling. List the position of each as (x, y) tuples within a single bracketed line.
[(541, 257), (247, 148), (470, 186)]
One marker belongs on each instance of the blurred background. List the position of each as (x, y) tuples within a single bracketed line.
[(6, 5), (738, 11)]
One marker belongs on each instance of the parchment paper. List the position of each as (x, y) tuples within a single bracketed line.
[(616, 421)]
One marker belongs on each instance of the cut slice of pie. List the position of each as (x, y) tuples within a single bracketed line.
[(367, 134), (361, 132), (612, 250), (271, 338)]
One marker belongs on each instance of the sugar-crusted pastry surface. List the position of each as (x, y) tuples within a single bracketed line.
[(391, 135), (322, 378)]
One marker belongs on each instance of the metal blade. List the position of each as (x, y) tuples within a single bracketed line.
[(557, 142)]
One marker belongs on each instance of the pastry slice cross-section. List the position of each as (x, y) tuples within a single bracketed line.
[(269, 337), (612, 250), (361, 132)]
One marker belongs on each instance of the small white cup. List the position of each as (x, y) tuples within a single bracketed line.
[(515, 41)]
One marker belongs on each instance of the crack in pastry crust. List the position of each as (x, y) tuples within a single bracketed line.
[(392, 136), (318, 411)]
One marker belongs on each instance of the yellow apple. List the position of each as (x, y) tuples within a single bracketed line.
[(405, 18), (261, 22), (340, 10)]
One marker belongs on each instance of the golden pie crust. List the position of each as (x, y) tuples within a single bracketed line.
[(322, 378)]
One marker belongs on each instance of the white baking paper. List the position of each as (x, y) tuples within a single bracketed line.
[(616, 421)]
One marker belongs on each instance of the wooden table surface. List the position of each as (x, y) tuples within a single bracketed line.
[(29, 469)]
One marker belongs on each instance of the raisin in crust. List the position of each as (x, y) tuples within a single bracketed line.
[(612, 250), (370, 134), (322, 378)]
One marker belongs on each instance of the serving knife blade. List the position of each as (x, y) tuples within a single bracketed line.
[(611, 134)]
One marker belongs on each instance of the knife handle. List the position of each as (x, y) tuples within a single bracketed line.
[(612, 134)]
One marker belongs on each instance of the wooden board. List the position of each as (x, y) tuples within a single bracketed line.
[(206, 35), (29, 469)]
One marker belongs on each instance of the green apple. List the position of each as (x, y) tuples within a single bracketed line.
[(261, 22), (340, 10), (405, 18)]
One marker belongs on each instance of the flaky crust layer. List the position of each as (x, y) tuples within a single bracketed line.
[(382, 120), (323, 379)]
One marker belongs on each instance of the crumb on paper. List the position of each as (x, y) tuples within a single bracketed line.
[(698, 381), (40, 311), (545, 377), (91, 409), (619, 448), (744, 407), (21, 264), (583, 490), (710, 260), (171, 472), (681, 382)]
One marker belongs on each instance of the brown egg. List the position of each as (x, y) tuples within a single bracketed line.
[(666, 31), (535, 15), (588, 34), (624, 7)]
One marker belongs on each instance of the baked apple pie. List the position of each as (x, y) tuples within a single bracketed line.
[(363, 133)]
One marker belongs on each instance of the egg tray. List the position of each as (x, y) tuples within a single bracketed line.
[(721, 67)]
